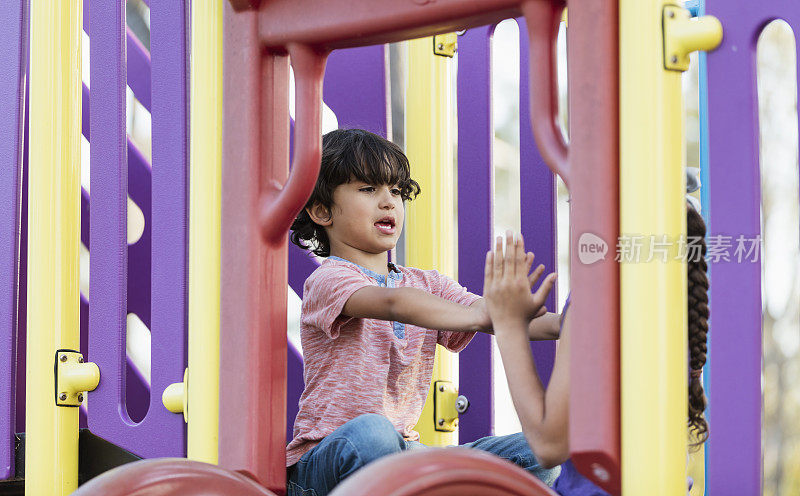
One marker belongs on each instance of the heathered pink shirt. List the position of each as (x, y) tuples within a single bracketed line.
[(355, 366)]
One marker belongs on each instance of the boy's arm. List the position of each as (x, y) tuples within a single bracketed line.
[(542, 328), (416, 307)]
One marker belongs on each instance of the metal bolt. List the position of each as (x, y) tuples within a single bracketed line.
[(80, 397), (671, 14), (440, 46), (455, 423), (600, 472), (63, 397), (63, 358), (80, 359), (441, 422), (441, 389), (462, 404), (674, 59)]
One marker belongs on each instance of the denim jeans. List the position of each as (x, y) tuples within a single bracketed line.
[(371, 436)]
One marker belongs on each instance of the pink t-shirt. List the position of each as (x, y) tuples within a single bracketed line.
[(354, 366)]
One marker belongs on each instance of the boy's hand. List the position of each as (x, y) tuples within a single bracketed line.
[(507, 285)]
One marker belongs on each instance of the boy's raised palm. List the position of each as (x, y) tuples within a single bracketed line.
[(507, 285)]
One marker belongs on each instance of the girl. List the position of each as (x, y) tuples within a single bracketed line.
[(544, 413)]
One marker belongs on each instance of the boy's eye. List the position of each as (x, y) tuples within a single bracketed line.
[(396, 191), (368, 189)]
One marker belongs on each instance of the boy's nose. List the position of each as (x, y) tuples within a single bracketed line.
[(386, 200)]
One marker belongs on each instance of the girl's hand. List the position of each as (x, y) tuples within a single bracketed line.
[(507, 285)]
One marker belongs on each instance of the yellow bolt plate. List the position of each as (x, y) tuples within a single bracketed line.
[(445, 44), (675, 59), (65, 358), (445, 395)]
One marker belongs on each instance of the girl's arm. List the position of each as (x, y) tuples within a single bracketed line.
[(416, 307), (543, 413)]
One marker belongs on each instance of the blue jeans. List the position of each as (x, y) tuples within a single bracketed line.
[(371, 436)]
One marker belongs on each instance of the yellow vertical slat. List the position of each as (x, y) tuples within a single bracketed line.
[(653, 295), (53, 316), (431, 225), (205, 231)]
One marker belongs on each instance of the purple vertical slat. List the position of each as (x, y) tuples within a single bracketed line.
[(13, 39), (108, 230), (734, 411), (355, 90), (294, 387), (475, 180), (170, 219), (537, 203), (160, 433), (138, 64)]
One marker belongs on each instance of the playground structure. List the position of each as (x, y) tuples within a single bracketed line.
[(219, 350)]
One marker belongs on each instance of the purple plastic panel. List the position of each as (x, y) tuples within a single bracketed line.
[(734, 412), (138, 69), (537, 203), (139, 181), (13, 57), (160, 433), (475, 185), (355, 90)]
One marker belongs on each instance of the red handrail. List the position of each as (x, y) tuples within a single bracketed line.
[(543, 19), (279, 205)]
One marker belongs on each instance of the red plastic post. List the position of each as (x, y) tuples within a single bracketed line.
[(593, 53), (254, 274)]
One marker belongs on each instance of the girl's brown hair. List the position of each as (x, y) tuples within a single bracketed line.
[(698, 325)]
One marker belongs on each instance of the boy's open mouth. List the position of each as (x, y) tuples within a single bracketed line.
[(385, 225)]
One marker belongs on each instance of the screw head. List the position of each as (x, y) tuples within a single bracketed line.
[(600, 472), (440, 46), (80, 359), (441, 389), (674, 59), (63, 358), (80, 397), (441, 421), (63, 397), (455, 423), (671, 14)]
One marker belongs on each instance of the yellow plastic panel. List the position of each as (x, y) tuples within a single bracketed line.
[(430, 238), (205, 232), (653, 294), (51, 444)]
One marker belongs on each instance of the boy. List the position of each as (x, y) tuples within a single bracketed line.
[(369, 328)]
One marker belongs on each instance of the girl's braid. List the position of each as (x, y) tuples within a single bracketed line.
[(698, 326)]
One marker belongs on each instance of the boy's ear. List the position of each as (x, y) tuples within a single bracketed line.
[(320, 214)]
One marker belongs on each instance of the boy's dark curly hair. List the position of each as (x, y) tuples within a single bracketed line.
[(698, 327), (347, 155)]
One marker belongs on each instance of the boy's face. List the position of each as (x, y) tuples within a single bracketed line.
[(366, 217)]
